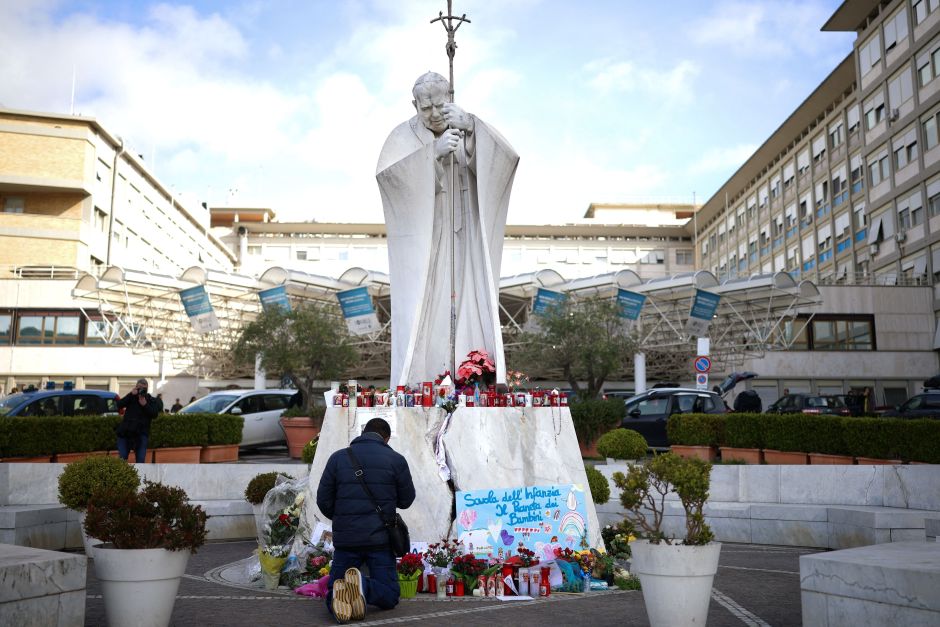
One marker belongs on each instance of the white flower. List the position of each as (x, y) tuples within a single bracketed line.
[(299, 500)]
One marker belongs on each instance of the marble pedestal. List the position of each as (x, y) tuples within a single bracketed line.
[(40, 587), (486, 448)]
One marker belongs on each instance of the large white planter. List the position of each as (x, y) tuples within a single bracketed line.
[(87, 541), (139, 586), (676, 580)]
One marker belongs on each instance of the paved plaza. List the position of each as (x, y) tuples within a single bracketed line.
[(755, 585)]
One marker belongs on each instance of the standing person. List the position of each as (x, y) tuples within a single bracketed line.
[(159, 400), (176, 406), (359, 535), (134, 430)]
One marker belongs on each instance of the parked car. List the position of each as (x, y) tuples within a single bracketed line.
[(926, 405), (261, 410), (60, 403), (646, 413), (809, 404)]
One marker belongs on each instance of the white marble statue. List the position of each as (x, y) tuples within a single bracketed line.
[(415, 179)]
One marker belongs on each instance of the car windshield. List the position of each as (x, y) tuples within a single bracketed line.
[(9, 403), (212, 404)]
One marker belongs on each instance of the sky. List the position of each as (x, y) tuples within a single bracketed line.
[(286, 104)]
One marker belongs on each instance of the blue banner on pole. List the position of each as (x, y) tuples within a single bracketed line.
[(546, 299), (274, 298), (358, 310), (199, 309), (704, 306), (630, 303)]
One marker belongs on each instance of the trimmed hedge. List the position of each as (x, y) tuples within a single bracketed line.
[(785, 432), (171, 430), (824, 434), (600, 488), (594, 418), (622, 444), (697, 429), (745, 430), (223, 428)]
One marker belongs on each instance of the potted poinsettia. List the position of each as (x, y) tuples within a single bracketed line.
[(148, 537), (671, 568), (477, 369), (410, 567), (468, 568)]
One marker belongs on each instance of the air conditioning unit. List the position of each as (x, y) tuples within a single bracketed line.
[(873, 249), (900, 237), (895, 114)]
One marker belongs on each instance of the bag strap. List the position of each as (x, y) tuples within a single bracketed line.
[(362, 482)]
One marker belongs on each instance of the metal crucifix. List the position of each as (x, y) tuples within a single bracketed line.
[(448, 22)]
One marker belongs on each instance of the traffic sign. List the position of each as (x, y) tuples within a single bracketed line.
[(701, 382), (702, 364)]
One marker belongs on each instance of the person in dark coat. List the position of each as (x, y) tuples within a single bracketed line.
[(134, 430), (359, 535)]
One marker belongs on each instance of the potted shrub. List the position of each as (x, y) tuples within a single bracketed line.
[(785, 439), (744, 435), (676, 576), (83, 478), (622, 444), (696, 435), (148, 537), (600, 489), (223, 435), (300, 426), (258, 488), (310, 451), (410, 568), (178, 438), (593, 418)]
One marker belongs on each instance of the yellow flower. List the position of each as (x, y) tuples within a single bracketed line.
[(324, 571), (631, 538)]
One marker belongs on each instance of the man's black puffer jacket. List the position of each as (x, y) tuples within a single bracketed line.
[(356, 524)]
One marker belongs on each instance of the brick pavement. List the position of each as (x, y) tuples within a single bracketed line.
[(755, 586)]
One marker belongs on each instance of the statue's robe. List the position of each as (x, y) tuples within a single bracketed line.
[(417, 191)]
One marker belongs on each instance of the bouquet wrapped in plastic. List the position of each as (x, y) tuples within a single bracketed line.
[(278, 525)]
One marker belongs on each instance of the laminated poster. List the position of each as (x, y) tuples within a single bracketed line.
[(496, 520)]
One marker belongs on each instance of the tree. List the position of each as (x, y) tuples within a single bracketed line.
[(586, 340), (306, 344)]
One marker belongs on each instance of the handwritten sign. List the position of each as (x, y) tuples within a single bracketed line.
[(494, 521)]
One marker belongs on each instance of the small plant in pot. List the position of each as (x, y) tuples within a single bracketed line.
[(148, 537), (83, 478), (676, 574)]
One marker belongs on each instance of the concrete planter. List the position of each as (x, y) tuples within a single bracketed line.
[(219, 453), (132, 456), (745, 455), (177, 455), (784, 458), (139, 586), (676, 580), (26, 460), (87, 541), (67, 458), (706, 453), (873, 461), (821, 459), (299, 430)]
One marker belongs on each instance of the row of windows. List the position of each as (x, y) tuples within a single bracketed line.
[(832, 333), (64, 328)]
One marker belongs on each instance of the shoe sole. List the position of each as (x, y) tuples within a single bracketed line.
[(342, 610), (354, 594)]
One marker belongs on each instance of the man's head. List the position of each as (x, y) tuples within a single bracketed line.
[(430, 95), (380, 426), (141, 385)]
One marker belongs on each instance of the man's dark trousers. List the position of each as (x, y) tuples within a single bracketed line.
[(381, 586)]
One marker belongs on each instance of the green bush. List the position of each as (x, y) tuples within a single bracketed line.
[(917, 440), (825, 434), (595, 417), (785, 432), (696, 429), (171, 430), (622, 444), (310, 451), (600, 489), (100, 473), (32, 436), (873, 437), (260, 485), (223, 428), (78, 434), (744, 430)]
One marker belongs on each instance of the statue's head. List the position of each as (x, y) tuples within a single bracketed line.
[(430, 95)]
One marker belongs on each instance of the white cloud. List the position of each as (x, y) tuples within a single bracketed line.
[(723, 159), (673, 84)]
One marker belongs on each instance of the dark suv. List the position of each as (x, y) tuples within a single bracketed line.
[(926, 405), (60, 403), (646, 413), (809, 404)]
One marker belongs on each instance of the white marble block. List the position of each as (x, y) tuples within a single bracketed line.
[(40, 587), (486, 447)]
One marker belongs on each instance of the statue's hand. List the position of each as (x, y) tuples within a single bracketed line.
[(446, 143), (457, 117)]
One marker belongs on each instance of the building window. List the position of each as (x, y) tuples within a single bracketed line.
[(819, 149), (301, 255), (14, 204), (878, 168), (869, 54), (933, 197), (653, 257), (895, 29), (928, 63), (836, 136), (923, 8), (684, 257), (910, 211), (47, 329), (6, 323), (874, 111), (857, 173), (900, 88), (832, 333), (929, 124), (905, 148), (96, 332)]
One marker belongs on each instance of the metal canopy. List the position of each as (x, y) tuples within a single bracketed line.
[(143, 310)]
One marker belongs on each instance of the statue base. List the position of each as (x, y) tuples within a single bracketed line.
[(486, 447)]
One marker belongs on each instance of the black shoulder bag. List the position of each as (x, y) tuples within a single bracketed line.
[(398, 537)]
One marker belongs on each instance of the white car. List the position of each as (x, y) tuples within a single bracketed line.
[(261, 410)]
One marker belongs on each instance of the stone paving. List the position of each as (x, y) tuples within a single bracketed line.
[(755, 586)]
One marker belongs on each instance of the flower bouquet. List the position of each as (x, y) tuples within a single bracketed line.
[(410, 567), (468, 567), (526, 556), (440, 554), (281, 518)]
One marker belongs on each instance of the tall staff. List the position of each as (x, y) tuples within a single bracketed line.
[(451, 23)]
